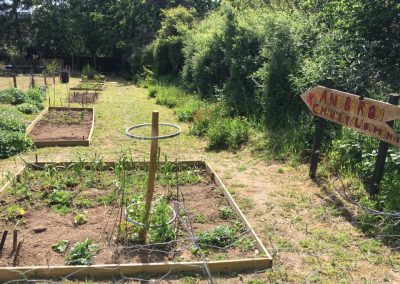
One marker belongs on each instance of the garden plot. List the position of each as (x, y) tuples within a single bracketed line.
[(83, 97), (74, 214), (59, 126), (89, 86)]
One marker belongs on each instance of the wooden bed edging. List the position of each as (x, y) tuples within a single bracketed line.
[(61, 143), (130, 269)]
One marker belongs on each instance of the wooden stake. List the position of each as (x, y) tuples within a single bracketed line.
[(373, 187), (45, 80), (15, 80), (3, 240), (152, 175), (15, 242), (319, 129), (15, 260)]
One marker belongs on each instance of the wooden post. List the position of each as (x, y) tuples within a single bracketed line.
[(382, 154), (15, 80), (31, 81), (3, 240), (45, 80), (319, 129), (152, 175)]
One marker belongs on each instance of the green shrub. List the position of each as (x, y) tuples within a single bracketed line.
[(204, 116), (153, 92), (186, 111), (18, 96), (36, 96), (6, 97), (11, 120), (227, 133), (12, 143), (88, 72), (27, 108)]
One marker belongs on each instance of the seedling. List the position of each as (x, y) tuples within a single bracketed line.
[(14, 213), (82, 253), (199, 218), (60, 246), (226, 212), (80, 219), (217, 237)]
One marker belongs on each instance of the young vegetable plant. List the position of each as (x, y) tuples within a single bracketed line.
[(60, 246), (14, 213), (80, 219), (226, 212), (82, 253)]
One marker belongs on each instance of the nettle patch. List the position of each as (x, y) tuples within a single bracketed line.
[(92, 212)]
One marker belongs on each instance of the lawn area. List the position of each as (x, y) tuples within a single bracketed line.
[(309, 232)]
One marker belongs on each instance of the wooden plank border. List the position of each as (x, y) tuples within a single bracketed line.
[(61, 143), (100, 271)]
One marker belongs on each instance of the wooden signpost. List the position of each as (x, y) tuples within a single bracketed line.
[(371, 117)]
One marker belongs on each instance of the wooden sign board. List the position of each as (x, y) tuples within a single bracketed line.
[(363, 115)]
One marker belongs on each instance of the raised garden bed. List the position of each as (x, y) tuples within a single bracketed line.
[(89, 86), (45, 200), (61, 126), (83, 97)]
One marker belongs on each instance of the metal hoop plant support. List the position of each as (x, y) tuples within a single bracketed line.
[(139, 224), (158, 137), (145, 224)]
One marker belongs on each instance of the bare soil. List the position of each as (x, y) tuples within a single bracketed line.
[(63, 125)]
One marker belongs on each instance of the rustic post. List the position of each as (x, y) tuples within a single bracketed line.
[(152, 175), (319, 129), (382, 154), (15, 80), (31, 81), (45, 80)]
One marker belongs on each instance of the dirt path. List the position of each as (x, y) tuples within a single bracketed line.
[(308, 234)]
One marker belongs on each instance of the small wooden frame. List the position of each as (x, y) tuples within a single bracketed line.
[(61, 143), (264, 261)]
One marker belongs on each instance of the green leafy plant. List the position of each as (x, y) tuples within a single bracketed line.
[(88, 72), (226, 212), (60, 246), (82, 253), (80, 219), (217, 237), (14, 213), (199, 218)]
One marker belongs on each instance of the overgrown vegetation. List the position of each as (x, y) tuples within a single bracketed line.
[(12, 133)]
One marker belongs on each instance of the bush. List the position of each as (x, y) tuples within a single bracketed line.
[(27, 108), (204, 116), (36, 96), (227, 133), (186, 111), (6, 97), (11, 120), (12, 143), (88, 72), (153, 92)]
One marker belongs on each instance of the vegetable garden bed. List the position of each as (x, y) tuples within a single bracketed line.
[(60, 208), (88, 86), (83, 97), (60, 126)]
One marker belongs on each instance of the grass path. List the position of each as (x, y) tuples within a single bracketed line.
[(303, 225)]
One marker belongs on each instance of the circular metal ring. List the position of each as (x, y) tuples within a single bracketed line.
[(137, 223), (153, 137)]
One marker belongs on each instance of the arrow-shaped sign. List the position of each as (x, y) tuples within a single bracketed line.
[(364, 115)]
